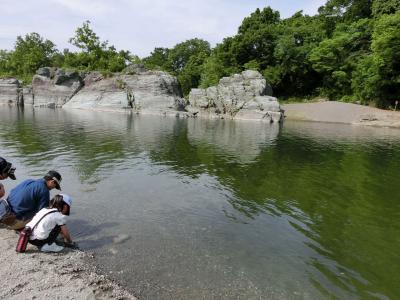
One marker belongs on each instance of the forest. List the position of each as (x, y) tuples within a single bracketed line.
[(349, 51)]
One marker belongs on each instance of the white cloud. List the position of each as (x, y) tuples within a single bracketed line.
[(135, 25), (86, 8), (311, 7)]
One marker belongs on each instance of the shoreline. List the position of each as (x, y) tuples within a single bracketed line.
[(64, 275), (323, 111), (341, 113)]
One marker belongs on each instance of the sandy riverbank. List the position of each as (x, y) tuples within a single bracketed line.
[(339, 112), (65, 275)]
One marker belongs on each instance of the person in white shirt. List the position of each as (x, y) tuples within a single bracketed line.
[(49, 222)]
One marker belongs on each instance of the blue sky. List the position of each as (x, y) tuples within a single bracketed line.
[(135, 25)]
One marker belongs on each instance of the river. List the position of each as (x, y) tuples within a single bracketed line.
[(216, 209)]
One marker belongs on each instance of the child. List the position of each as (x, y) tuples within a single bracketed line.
[(49, 222)]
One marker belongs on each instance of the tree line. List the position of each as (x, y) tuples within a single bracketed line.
[(349, 51)]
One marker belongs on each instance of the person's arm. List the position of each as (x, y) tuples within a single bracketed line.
[(65, 233)]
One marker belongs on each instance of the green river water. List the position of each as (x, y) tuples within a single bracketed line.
[(215, 209)]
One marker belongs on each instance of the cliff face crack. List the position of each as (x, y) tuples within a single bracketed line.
[(130, 97)]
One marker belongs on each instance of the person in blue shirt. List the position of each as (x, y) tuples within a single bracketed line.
[(28, 197)]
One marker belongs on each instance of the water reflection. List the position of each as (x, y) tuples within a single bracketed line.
[(220, 209)]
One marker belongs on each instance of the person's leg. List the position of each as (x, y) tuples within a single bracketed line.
[(53, 235), (37, 243), (50, 239), (50, 245)]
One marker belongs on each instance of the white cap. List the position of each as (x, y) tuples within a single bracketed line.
[(67, 199)]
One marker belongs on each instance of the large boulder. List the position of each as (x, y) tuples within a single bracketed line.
[(154, 91), (54, 87), (137, 89), (10, 91), (241, 96), (45, 72)]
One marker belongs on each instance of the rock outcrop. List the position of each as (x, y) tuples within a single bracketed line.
[(140, 90), (241, 96), (54, 87), (153, 91), (10, 91), (99, 92)]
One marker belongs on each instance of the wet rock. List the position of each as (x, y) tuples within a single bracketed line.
[(121, 238)]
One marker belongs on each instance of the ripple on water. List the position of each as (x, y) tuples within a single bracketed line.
[(216, 209)]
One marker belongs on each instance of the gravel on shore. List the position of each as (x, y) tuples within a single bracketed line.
[(64, 275)]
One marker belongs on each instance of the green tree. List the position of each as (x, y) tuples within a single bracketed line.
[(258, 20), (221, 62), (335, 12), (191, 74), (158, 59), (86, 39), (256, 38), (5, 62), (31, 53), (181, 53), (185, 60), (380, 7), (252, 47), (96, 54), (377, 77), (336, 58), (292, 73), (366, 79), (348, 10)]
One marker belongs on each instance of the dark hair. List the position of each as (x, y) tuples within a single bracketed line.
[(3, 165), (51, 174), (57, 202)]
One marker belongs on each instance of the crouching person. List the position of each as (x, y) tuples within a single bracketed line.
[(49, 222)]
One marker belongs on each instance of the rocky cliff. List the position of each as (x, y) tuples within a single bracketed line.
[(241, 96), (137, 89), (142, 91)]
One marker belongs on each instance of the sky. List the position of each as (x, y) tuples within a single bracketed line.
[(136, 25)]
